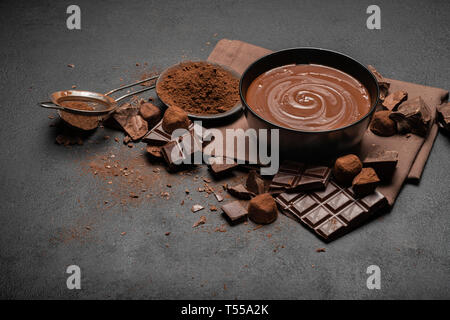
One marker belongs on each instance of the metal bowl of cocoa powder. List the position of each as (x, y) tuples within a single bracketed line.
[(205, 90)]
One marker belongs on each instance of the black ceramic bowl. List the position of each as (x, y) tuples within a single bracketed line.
[(312, 144)]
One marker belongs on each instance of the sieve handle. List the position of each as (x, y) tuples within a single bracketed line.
[(50, 105)]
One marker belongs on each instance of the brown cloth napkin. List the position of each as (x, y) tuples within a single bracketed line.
[(413, 150)]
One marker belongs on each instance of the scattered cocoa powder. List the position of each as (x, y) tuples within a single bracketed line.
[(199, 88)]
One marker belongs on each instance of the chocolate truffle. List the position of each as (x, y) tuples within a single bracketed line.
[(346, 168), (151, 113), (175, 118), (365, 182), (382, 125), (262, 209)]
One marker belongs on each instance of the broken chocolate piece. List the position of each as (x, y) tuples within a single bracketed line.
[(383, 84), (382, 124), (346, 168), (413, 116), (155, 152), (183, 150), (151, 113), (296, 176), (201, 221), (262, 209), (129, 119), (331, 212), (175, 118), (197, 207), (255, 183), (383, 162), (240, 192), (443, 116), (158, 137), (234, 212), (365, 182), (219, 166), (394, 99)]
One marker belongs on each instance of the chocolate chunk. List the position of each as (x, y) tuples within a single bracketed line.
[(382, 82), (443, 116), (365, 182), (130, 121), (262, 209), (346, 168), (331, 212), (221, 167), (157, 136), (393, 100), (413, 116), (201, 221), (155, 152), (296, 176), (151, 113), (383, 162), (197, 207), (382, 124), (240, 192), (175, 118), (234, 212), (183, 150), (255, 183)]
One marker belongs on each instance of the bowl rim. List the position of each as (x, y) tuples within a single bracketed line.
[(268, 56)]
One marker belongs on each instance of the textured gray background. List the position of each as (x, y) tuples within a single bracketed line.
[(410, 244)]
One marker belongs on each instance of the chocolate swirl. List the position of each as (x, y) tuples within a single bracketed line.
[(308, 97)]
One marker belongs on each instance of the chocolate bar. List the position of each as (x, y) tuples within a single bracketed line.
[(331, 212), (296, 176), (240, 192)]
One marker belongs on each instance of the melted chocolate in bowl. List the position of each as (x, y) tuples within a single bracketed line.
[(308, 97)]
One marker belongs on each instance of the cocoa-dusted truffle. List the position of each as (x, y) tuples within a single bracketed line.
[(443, 116), (151, 113), (175, 118), (382, 125), (262, 209), (365, 182), (346, 168)]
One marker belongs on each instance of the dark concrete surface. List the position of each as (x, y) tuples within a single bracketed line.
[(46, 201)]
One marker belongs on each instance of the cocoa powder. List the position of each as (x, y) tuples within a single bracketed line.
[(83, 122), (199, 88)]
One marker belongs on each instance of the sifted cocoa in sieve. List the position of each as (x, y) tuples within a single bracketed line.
[(199, 88), (79, 121)]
